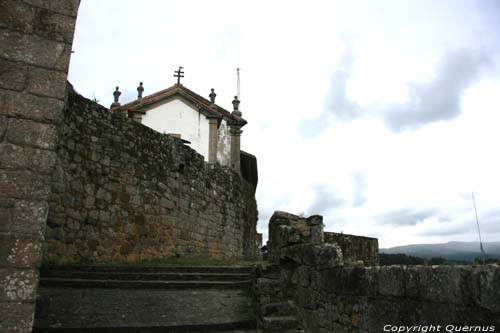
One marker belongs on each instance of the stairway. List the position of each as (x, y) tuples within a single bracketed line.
[(279, 317), (276, 314), (145, 299)]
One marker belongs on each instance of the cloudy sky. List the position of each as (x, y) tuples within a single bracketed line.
[(382, 116)]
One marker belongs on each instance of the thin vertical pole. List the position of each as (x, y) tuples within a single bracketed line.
[(478, 230), (238, 83)]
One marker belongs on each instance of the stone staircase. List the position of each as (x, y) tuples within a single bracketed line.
[(280, 317), (275, 313), (145, 299)]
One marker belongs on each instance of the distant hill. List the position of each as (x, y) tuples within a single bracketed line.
[(451, 250)]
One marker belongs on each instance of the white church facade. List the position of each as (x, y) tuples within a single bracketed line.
[(178, 111)]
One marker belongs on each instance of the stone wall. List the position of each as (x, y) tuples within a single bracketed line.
[(124, 192), (329, 295), (35, 44), (355, 248)]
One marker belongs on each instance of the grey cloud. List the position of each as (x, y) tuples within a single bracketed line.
[(338, 101), (358, 190), (325, 199), (490, 222), (406, 216), (438, 99)]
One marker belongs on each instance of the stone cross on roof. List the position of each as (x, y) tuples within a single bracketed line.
[(178, 74)]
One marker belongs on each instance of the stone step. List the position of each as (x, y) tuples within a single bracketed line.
[(142, 284), (143, 310), (151, 269), (151, 276), (279, 323), (234, 327)]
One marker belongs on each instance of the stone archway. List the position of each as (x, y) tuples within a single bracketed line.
[(35, 42)]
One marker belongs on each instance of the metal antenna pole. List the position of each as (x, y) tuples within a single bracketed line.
[(478, 230), (238, 83)]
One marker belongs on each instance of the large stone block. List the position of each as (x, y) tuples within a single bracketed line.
[(20, 252), (355, 248), (16, 316), (359, 281), (16, 15), (12, 75), (3, 126), (28, 106), (18, 158), (488, 278), (18, 285), (34, 50), (24, 185), (321, 256), (23, 217), (55, 26), (47, 83), (391, 280), (438, 283), (33, 134), (66, 7)]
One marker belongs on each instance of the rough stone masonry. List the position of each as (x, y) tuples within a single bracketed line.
[(124, 192), (35, 47), (336, 285)]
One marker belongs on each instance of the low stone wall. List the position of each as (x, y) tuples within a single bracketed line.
[(355, 248), (331, 296), (123, 192)]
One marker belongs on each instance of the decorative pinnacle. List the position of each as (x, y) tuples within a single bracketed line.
[(178, 74), (116, 96), (212, 96), (236, 104), (140, 90)]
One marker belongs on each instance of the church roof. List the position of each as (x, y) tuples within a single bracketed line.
[(179, 91)]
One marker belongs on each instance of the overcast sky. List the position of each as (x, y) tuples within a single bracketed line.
[(382, 116)]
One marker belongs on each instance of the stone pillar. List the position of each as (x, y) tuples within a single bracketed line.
[(35, 47), (235, 130), (212, 139)]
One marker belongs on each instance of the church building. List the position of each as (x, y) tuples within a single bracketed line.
[(208, 128)]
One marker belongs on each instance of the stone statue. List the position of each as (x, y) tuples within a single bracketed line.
[(117, 94), (212, 96), (140, 90), (236, 103)]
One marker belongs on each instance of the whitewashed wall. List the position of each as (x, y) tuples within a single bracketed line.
[(179, 118)]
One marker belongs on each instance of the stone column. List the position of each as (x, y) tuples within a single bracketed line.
[(235, 130), (35, 47), (212, 139)]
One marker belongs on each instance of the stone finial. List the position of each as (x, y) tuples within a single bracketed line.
[(236, 104), (212, 96), (140, 90), (116, 96)]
